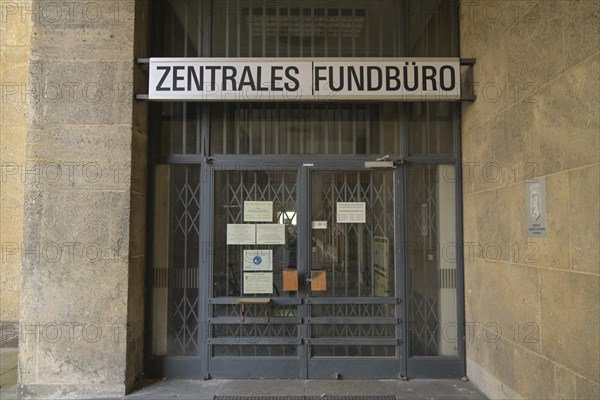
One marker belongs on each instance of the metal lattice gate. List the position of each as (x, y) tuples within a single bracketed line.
[(305, 332)]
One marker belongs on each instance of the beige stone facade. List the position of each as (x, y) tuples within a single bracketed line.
[(79, 141), (532, 303), (15, 35)]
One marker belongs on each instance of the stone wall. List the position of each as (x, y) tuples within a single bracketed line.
[(84, 204), (532, 304), (14, 64)]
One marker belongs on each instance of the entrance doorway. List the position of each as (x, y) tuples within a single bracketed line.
[(279, 254), (304, 276), (390, 300)]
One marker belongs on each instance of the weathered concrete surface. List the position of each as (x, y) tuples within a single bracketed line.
[(532, 304), (84, 202), (206, 390)]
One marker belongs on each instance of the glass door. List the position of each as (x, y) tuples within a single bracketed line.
[(353, 307), (255, 316), (304, 277)]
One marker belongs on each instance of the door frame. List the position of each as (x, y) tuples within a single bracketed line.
[(300, 366), (196, 366), (411, 366)]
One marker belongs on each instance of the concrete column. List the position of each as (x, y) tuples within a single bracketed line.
[(85, 200), (532, 304), (15, 32)]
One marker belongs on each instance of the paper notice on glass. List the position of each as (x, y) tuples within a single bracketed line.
[(258, 211), (270, 234), (258, 260), (241, 234), (258, 282), (351, 213)]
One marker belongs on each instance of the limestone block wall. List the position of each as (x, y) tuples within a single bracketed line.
[(81, 315), (15, 31), (532, 304)]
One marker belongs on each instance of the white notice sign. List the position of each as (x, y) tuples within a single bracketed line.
[(258, 211), (258, 260), (352, 213), (241, 234), (270, 234), (302, 79), (258, 282)]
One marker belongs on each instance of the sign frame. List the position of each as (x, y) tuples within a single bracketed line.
[(304, 79)]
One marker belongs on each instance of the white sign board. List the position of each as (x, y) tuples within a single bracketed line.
[(351, 213), (258, 211), (258, 282), (241, 234), (258, 260), (303, 79), (270, 234)]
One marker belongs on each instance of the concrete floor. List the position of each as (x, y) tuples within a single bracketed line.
[(8, 372), (206, 390)]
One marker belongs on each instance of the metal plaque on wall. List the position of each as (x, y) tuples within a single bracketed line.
[(537, 224)]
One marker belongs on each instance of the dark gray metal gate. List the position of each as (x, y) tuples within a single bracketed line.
[(193, 322), (353, 329)]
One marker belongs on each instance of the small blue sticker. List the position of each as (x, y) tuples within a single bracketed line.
[(257, 260)]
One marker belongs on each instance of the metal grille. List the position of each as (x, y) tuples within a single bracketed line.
[(255, 337), (353, 330), (253, 310), (255, 330), (353, 310), (253, 350), (355, 316), (353, 351), (311, 28), (431, 128), (424, 330), (233, 188), (183, 273), (347, 251), (431, 273), (266, 28), (423, 209), (181, 35), (244, 128)]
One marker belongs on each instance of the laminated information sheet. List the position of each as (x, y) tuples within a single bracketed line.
[(351, 213), (258, 282), (270, 234), (258, 260), (241, 234), (258, 211)]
